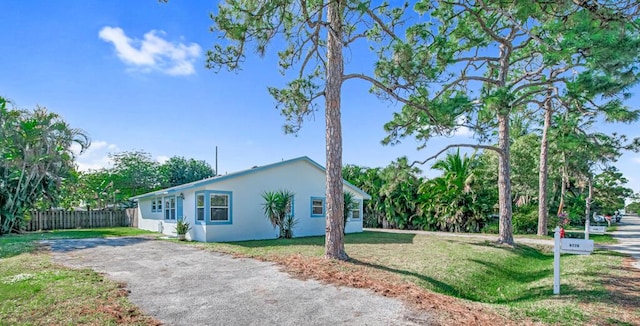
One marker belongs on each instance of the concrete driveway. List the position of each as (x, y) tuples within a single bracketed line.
[(628, 236), (182, 285)]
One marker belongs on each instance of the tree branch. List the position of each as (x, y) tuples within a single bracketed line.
[(474, 146)]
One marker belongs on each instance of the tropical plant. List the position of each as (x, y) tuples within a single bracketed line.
[(289, 224), (477, 64), (182, 226), (452, 199), (36, 156), (277, 208), (349, 204)]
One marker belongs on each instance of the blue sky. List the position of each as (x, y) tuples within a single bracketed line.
[(131, 74)]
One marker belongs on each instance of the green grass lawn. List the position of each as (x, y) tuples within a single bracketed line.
[(516, 281), (35, 291)]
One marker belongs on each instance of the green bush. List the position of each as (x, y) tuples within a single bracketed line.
[(370, 221), (525, 220), (492, 227)]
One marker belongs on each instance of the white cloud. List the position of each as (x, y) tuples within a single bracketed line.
[(153, 52), (462, 131), (162, 159), (96, 157)]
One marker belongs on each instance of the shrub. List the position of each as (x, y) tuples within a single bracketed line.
[(288, 225), (492, 227), (525, 220), (370, 221), (182, 227)]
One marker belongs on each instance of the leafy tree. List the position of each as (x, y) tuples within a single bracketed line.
[(452, 199), (370, 181), (524, 161), (178, 170), (277, 208), (475, 64), (394, 199), (133, 173), (609, 191), (36, 156), (312, 36), (589, 41), (580, 153), (464, 47), (98, 189), (633, 208)]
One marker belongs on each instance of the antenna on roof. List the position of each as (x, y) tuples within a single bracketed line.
[(216, 160)]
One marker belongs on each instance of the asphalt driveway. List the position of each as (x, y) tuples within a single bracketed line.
[(182, 285)]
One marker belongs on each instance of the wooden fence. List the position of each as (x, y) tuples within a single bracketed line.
[(56, 220)]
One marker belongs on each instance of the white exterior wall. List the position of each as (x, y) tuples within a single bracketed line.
[(154, 221), (248, 221)]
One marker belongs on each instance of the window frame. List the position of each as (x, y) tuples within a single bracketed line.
[(324, 207), (212, 207), (170, 210), (207, 207), (153, 205), (359, 209), (198, 207)]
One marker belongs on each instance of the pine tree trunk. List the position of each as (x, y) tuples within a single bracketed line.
[(334, 241), (587, 210), (543, 174), (563, 184), (504, 182)]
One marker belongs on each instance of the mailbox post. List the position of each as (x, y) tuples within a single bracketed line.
[(567, 246)]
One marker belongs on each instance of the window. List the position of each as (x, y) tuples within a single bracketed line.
[(355, 211), (170, 208), (317, 207), (159, 205), (219, 207), (214, 207), (200, 208), (153, 206)]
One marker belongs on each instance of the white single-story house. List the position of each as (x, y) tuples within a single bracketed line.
[(230, 207)]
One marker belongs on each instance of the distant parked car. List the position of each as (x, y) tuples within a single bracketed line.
[(599, 218)]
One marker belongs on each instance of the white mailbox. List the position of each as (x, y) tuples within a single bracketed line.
[(597, 229), (576, 246)]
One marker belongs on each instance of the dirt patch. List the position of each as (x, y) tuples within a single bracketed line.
[(453, 311), (123, 315)]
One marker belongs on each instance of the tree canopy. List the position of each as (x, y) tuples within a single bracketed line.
[(36, 157), (310, 37)]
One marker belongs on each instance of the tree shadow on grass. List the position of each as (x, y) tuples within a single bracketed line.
[(460, 292), (521, 250)]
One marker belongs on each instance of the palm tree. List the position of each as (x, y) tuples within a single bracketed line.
[(36, 157), (451, 198), (278, 209)]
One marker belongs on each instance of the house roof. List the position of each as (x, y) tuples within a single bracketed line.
[(228, 176)]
